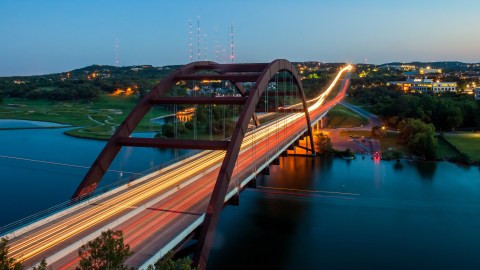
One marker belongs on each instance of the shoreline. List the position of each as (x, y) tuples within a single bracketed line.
[(337, 147)]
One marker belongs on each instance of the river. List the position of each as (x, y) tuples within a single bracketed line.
[(309, 213), (416, 215)]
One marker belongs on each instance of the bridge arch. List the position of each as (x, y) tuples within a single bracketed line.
[(217, 199), (260, 74)]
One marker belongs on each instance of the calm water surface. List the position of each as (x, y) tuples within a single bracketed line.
[(29, 186), (384, 216), (409, 216)]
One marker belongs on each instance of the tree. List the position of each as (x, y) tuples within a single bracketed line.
[(168, 130), (41, 266), (7, 263), (397, 155), (323, 144), (168, 263), (348, 153), (106, 252), (419, 137), (454, 118)]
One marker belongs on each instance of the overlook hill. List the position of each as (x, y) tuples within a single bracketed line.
[(84, 83)]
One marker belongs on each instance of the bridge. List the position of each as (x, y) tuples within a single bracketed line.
[(181, 203)]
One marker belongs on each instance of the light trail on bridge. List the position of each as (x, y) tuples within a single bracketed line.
[(255, 150)]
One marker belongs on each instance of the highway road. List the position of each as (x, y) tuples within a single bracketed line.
[(154, 209)]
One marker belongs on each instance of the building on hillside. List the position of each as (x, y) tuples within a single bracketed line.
[(476, 91), (425, 86), (429, 70)]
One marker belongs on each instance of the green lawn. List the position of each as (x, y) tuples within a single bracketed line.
[(468, 143), (342, 117), (445, 150), (97, 119)]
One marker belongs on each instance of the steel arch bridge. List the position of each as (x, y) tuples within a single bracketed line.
[(260, 74)]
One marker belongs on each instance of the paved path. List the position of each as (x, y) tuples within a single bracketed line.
[(373, 119), (367, 146)]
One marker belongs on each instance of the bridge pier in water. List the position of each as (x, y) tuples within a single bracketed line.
[(276, 161), (253, 182), (235, 200), (302, 147)]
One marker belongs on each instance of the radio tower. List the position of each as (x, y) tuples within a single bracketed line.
[(116, 52), (190, 44), (205, 55), (216, 45), (232, 55), (198, 38)]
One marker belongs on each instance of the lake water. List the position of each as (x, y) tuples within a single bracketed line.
[(30, 185), (309, 213), (417, 215), (9, 123)]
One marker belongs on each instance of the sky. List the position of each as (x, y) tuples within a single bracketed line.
[(42, 37)]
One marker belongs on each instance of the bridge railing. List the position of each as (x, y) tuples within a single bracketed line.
[(57, 209)]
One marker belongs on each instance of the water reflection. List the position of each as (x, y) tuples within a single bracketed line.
[(426, 169), (398, 166), (325, 163), (388, 203)]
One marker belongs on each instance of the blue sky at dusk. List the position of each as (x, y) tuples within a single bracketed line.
[(39, 37)]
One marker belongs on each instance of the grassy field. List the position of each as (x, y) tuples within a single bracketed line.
[(468, 143), (342, 117), (445, 150), (97, 120)]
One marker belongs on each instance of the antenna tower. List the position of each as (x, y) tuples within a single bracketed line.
[(205, 47), (216, 45), (190, 44), (232, 55), (116, 52), (198, 38)]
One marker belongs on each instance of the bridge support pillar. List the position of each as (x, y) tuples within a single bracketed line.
[(323, 122), (235, 200), (266, 171), (253, 183), (276, 161)]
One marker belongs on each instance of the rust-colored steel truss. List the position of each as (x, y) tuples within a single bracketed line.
[(260, 74)]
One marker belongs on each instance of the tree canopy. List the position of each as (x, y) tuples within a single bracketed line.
[(419, 137), (7, 263), (448, 111), (169, 263), (105, 252)]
